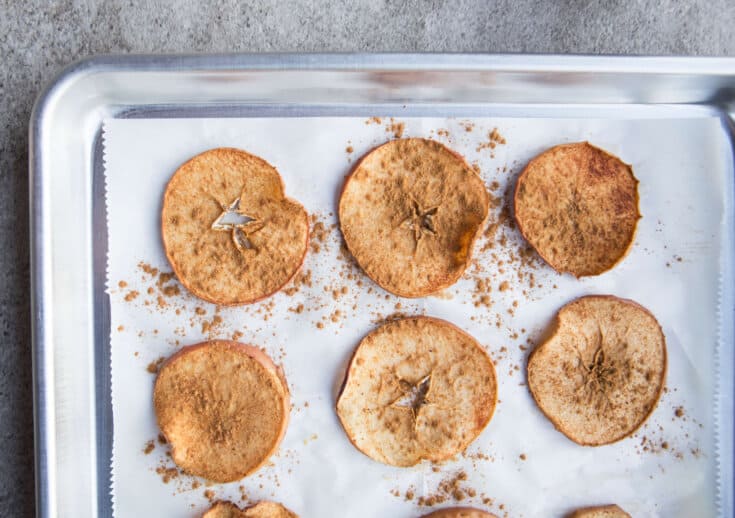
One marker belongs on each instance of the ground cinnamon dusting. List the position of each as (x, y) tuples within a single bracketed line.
[(211, 325), (319, 233), (451, 488), (396, 128), (494, 138), (468, 126), (147, 268), (167, 474), (302, 279), (155, 365)]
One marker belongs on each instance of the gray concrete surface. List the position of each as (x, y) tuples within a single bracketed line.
[(38, 38)]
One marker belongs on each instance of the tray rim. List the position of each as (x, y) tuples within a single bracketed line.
[(76, 73)]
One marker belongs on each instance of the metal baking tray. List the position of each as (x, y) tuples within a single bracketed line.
[(71, 324)]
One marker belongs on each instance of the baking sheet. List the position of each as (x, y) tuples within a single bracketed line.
[(520, 465)]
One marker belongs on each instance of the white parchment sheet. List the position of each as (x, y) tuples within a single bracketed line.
[(520, 465)]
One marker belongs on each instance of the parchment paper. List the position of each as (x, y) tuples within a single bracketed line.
[(520, 465)]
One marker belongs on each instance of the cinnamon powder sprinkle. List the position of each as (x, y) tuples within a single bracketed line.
[(155, 365), (171, 291), (147, 268), (449, 489), (319, 234), (495, 136), (212, 324), (396, 128), (167, 474), (302, 279), (298, 309)]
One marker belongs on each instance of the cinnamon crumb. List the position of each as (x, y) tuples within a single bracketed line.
[(167, 474), (154, 366), (147, 268), (303, 279), (171, 291), (318, 235), (396, 128), (495, 136), (449, 489)]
